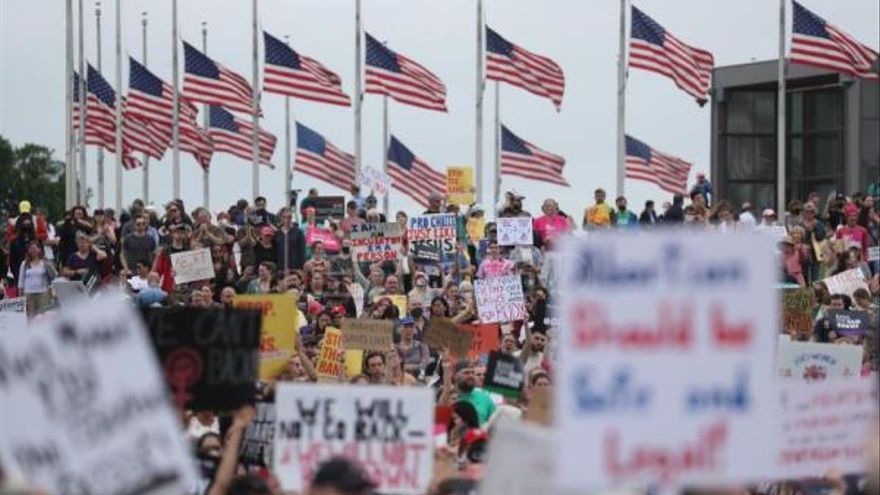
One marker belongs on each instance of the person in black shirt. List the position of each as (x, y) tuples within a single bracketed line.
[(74, 221), (84, 263)]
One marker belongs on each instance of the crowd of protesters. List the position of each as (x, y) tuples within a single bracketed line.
[(258, 251)]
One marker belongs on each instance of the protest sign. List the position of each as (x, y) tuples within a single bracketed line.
[(368, 335), (374, 181), (874, 253), (69, 292), (277, 331), (516, 231), (797, 306), (13, 314), (256, 445), (329, 366), (485, 339), (504, 375), (814, 361), (430, 236), (372, 242), (500, 299), (475, 226), (326, 207), (193, 265), (84, 409), (849, 323), (460, 185), (846, 282), (326, 236), (443, 333), (387, 430), (826, 425), (666, 328), (520, 460), (209, 356)]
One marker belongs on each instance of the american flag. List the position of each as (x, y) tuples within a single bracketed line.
[(523, 159), (288, 73), (233, 135), (316, 157), (668, 172), (206, 81), (94, 135), (392, 74), (534, 73), (411, 175), (652, 48), (820, 44)]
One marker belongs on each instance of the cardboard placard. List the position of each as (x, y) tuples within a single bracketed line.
[(661, 328), (516, 231), (328, 365), (387, 430), (430, 236), (486, 339), (849, 323), (816, 362), (846, 282), (797, 305), (192, 266), (374, 181), (210, 357), (367, 335), (372, 242), (326, 207), (84, 409), (277, 332), (13, 314), (256, 445), (443, 333), (504, 375), (460, 185), (500, 299)]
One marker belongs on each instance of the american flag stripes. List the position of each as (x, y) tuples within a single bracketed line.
[(523, 159), (820, 44), (288, 73), (206, 81), (316, 157), (391, 74), (668, 172), (98, 136), (652, 48), (233, 135), (411, 175), (534, 73)]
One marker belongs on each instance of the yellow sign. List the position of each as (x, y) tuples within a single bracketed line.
[(354, 362), (475, 226), (460, 185), (278, 332), (398, 300), (328, 364)]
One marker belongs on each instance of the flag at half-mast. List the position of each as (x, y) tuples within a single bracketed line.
[(515, 65), (402, 79), (668, 172), (233, 135), (820, 44), (289, 73), (521, 158), (411, 175), (318, 158), (206, 81)]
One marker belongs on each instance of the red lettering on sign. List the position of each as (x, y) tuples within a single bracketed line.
[(673, 328)]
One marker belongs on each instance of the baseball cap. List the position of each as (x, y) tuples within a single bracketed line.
[(24, 206), (407, 320), (768, 213), (851, 209)]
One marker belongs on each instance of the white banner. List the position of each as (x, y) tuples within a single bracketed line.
[(84, 408), (13, 314), (387, 430), (815, 361), (375, 181), (515, 231), (666, 359), (500, 299), (191, 266), (846, 282)]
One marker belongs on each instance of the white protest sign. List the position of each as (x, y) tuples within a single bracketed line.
[(500, 299), (520, 460), (874, 253), (85, 409), (372, 242), (374, 180), (191, 266), (515, 231), (815, 361), (826, 425), (13, 314), (387, 430), (432, 235), (846, 282), (666, 359)]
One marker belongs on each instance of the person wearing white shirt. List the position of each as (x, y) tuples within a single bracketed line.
[(746, 218)]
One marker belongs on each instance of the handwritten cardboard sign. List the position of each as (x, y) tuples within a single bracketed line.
[(516, 231), (797, 317), (485, 340), (443, 333), (13, 314), (460, 185), (504, 375), (849, 323), (387, 430), (846, 282), (257, 443), (372, 242), (192, 266), (816, 362), (367, 335), (209, 356), (663, 328), (500, 299), (84, 407), (278, 330), (430, 236), (329, 365), (374, 180)]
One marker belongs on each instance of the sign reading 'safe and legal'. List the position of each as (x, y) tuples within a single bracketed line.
[(666, 359)]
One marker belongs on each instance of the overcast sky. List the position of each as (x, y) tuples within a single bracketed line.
[(580, 35)]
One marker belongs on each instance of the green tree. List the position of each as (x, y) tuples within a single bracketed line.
[(31, 173)]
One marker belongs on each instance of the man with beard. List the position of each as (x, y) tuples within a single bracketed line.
[(466, 386), (532, 353)]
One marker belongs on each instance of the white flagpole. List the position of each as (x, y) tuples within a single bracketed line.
[(83, 93), (69, 138), (497, 181), (119, 150), (385, 144), (478, 134), (288, 166), (98, 43), (255, 144), (146, 173), (357, 86), (175, 131), (206, 172), (621, 101), (780, 115)]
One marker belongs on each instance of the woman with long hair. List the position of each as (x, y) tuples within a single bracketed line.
[(34, 279), (265, 281)]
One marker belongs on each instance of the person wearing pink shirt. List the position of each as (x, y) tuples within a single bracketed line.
[(494, 265), (551, 224), (855, 235)]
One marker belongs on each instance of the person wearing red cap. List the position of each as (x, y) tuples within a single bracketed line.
[(855, 235)]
